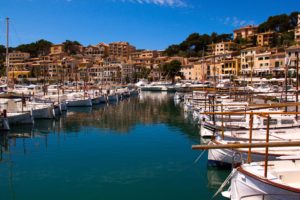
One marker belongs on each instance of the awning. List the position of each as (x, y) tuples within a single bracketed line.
[(262, 69)]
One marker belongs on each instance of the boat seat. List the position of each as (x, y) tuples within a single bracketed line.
[(290, 177)]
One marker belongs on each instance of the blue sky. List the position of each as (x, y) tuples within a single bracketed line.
[(147, 24)]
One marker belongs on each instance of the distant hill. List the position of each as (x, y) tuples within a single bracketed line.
[(195, 43)]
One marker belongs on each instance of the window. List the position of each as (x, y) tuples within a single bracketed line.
[(272, 122), (287, 121)]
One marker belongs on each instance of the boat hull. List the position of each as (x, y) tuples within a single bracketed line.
[(245, 186), (79, 103), (20, 118)]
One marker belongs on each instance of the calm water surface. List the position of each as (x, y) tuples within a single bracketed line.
[(139, 148)]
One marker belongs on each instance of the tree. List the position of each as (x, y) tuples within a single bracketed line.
[(71, 47), (172, 69), (195, 43), (35, 49)]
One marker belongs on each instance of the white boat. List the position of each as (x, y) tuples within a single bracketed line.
[(102, 99), (112, 97), (281, 183), (228, 157), (78, 100), (20, 118), (240, 128), (96, 100)]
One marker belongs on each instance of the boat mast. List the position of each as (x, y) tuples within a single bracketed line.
[(7, 44)]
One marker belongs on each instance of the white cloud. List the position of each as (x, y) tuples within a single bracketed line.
[(235, 22), (170, 3)]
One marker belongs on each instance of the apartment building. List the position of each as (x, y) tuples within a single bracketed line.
[(246, 32), (144, 57), (200, 69), (188, 72), (291, 55), (57, 49), (277, 63), (120, 50), (265, 39), (247, 59), (224, 48), (17, 57), (262, 63)]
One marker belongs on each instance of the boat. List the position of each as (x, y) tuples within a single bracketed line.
[(112, 98), (226, 158), (281, 182), (20, 118), (78, 100)]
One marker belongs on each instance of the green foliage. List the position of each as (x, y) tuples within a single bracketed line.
[(283, 39), (278, 23), (195, 43), (172, 69), (71, 47), (143, 73), (38, 48)]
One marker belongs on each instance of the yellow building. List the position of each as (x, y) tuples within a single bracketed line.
[(57, 49), (245, 32), (224, 48), (265, 39), (18, 74), (200, 70), (188, 72), (120, 50)]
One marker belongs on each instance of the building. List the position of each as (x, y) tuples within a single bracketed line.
[(297, 30), (231, 66), (120, 50), (291, 55), (277, 64), (262, 63), (146, 58), (265, 39), (99, 50), (188, 72), (200, 69), (224, 48), (246, 32), (247, 59), (92, 51), (57, 49), (17, 57)]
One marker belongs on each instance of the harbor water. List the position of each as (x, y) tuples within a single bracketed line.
[(139, 148)]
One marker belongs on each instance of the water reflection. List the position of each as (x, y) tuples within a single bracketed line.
[(215, 178), (121, 117), (155, 153)]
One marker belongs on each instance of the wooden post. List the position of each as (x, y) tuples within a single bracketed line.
[(267, 148), (286, 71), (222, 122), (205, 102), (297, 80), (249, 159), (213, 109)]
